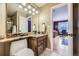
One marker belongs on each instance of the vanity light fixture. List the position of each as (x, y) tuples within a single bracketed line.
[(29, 8)]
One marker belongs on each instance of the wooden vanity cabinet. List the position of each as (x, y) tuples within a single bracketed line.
[(38, 44)]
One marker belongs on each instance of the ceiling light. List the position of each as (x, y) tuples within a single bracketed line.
[(36, 12), (20, 6), (25, 9), (33, 9), (24, 4), (33, 13), (29, 7), (30, 11)]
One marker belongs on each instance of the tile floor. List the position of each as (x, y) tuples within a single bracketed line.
[(47, 52)]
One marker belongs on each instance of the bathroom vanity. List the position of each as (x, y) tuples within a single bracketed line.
[(37, 43)]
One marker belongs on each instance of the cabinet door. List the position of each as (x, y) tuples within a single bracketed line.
[(40, 49), (34, 45), (2, 49)]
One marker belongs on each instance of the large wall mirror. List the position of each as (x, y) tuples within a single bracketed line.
[(24, 24)]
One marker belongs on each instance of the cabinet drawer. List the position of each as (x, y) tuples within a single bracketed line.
[(40, 49), (40, 39), (40, 43)]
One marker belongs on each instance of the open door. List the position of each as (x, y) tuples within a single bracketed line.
[(62, 20)]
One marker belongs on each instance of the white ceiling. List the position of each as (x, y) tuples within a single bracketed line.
[(40, 4), (13, 7)]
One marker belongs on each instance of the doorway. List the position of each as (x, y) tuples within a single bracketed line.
[(29, 24), (62, 22)]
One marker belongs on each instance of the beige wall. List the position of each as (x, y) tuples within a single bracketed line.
[(44, 16), (35, 21), (21, 14), (3, 19)]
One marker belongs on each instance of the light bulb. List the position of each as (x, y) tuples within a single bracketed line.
[(36, 12), (30, 11), (33, 9), (33, 13), (20, 6), (29, 7), (25, 9)]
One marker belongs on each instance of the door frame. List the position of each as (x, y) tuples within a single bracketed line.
[(31, 21), (70, 20)]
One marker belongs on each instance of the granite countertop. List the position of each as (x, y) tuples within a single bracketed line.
[(18, 37), (37, 35)]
